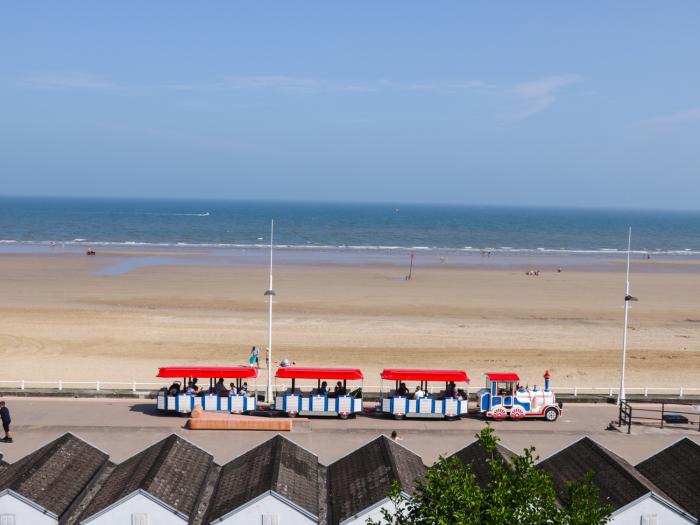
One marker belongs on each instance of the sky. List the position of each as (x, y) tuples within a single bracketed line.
[(475, 102)]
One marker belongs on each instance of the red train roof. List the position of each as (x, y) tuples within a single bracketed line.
[(499, 376), (300, 372), (208, 371), (397, 374)]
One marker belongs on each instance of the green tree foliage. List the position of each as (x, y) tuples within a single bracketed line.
[(517, 493)]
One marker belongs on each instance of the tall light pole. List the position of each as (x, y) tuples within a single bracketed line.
[(628, 298), (270, 293)]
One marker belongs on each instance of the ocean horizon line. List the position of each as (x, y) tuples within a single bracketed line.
[(351, 202)]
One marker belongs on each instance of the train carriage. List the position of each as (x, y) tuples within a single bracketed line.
[(320, 401), (178, 401), (448, 403)]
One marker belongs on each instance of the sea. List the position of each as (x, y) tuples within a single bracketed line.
[(335, 230)]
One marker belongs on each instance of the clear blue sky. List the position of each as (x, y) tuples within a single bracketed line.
[(556, 103)]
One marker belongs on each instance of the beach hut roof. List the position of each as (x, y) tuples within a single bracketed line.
[(173, 471), (676, 471), (619, 482), (405, 374), (278, 465), (298, 372), (476, 457), (54, 475), (364, 477)]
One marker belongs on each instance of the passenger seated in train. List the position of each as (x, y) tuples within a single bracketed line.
[(220, 388), (191, 389), (323, 391), (402, 391), (418, 393), (232, 391), (339, 389), (243, 390), (174, 389), (451, 389)]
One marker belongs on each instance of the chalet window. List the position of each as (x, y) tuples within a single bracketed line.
[(650, 519), (270, 519), (139, 518), (7, 519)]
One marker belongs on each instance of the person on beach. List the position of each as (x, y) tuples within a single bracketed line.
[(6, 420), (254, 357), (395, 436)]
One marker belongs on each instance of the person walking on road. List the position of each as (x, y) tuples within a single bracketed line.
[(6, 420)]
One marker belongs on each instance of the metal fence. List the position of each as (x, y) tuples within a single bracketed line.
[(661, 414), (138, 386)]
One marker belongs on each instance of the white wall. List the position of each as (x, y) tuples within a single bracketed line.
[(121, 514), (633, 514), (24, 514), (253, 513), (375, 514)]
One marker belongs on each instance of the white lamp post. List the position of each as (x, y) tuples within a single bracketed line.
[(270, 293), (628, 298)]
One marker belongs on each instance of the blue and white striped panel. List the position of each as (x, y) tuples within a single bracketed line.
[(183, 403), (211, 403), (450, 407), (344, 405), (424, 406), (387, 405), (237, 404), (318, 403)]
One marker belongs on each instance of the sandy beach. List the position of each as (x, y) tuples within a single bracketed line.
[(58, 320)]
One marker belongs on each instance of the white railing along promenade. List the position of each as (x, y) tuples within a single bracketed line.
[(138, 386)]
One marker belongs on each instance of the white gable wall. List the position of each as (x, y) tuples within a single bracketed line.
[(374, 512), (270, 506), (121, 513), (24, 513), (643, 510)]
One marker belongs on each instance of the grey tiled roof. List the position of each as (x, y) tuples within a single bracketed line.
[(477, 458), (172, 470), (619, 482), (364, 477), (676, 471), (278, 465), (56, 474)]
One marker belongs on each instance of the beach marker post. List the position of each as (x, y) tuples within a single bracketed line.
[(270, 293), (410, 267)]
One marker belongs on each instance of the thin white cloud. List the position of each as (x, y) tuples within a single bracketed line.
[(679, 117), (275, 82), (525, 98), (440, 87), (69, 81), (537, 95)]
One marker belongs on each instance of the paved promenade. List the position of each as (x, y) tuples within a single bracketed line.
[(122, 427)]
